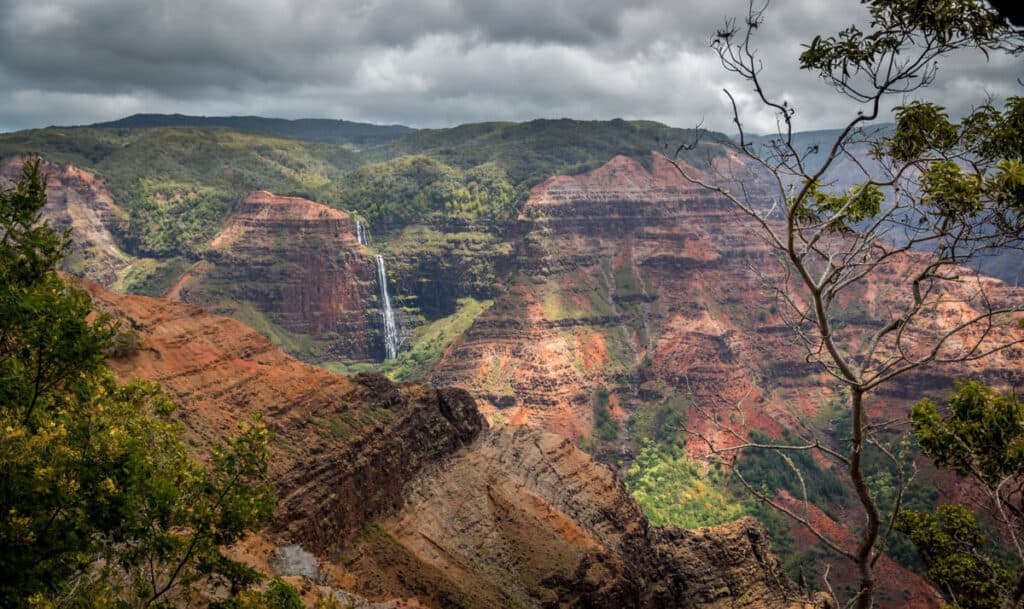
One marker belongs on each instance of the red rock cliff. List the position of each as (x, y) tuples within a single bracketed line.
[(78, 200), (637, 280), (298, 263), (401, 493)]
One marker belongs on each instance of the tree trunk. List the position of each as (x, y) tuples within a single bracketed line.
[(869, 535)]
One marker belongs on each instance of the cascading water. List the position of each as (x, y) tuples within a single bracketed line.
[(361, 234), (391, 343)]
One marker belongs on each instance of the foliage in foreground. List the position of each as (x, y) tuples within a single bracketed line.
[(956, 551), (980, 437), (940, 195), (101, 504)]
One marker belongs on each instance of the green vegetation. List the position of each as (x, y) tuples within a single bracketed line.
[(169, 219), (309, 129), (430, 341), (960, 557), (772, 470), (673, 490), (278, 595), (659, 423), (301, 345), (100, 504), (419, 188), (534, 151), (151, 277), (238, 162), (348, 369), (626, 283), (605, 427), (981, 437), (178, 184), (886, 483)]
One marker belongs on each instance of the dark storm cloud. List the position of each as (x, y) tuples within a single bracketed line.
[(570, 22), (424, 63), (170, 47)]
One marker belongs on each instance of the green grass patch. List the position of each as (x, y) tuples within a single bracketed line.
[(430, 341), (151, 277), (348, 368)]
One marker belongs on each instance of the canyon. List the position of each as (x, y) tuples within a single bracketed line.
[(401, 495), (616, 299), (299, 265)]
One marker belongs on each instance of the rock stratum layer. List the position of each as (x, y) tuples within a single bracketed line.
[(402, 493), (298, 264), (78, 201), (635, 280), (525, 519)]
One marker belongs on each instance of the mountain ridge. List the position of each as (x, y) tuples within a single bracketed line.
[(334, 131)]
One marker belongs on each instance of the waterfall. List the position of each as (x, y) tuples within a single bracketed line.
[(361, 235), (390, 327)]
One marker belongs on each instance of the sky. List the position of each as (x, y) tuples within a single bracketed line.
[(426, 63)]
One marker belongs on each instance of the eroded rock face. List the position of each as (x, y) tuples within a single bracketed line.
[(624, 267), (639, 289), (401, 493), (78, 200), (344, 447), (298, 263), (523, 518), (636, 280)]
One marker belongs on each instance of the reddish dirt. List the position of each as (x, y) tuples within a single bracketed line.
[(897, 586), (404, 498)]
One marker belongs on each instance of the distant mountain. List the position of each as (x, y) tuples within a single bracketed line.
[(814, 147), (535, 150), (847, 172), (308, 129)]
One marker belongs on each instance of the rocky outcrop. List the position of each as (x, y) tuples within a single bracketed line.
[(522, 518), (78, 201), (298, 264), (345, 447), (401, 494)]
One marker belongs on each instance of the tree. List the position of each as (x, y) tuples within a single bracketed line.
[(935, 196), (981, 438), (100, 505)]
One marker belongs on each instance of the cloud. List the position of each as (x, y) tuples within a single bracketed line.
[(423, 63)]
